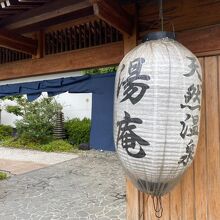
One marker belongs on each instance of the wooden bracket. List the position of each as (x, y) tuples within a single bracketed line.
[(40, 38), (112, 13)]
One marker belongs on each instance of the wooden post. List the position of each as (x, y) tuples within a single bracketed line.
[(197, 196), (39, 36), (134, 197)]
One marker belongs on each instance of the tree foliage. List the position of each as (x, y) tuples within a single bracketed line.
[(38, 118), (17, 109), (101, 70)]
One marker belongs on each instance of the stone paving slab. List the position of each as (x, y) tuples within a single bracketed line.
[(34, 156), (17, 161), (14, 167), (91, 187)]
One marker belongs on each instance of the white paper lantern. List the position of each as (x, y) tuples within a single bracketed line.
[(157, 113)]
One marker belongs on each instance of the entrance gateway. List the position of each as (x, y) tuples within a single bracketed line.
[(102, 89), (62, 36)]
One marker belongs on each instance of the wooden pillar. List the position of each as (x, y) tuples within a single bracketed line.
[(39, 36), (134, 197), (197, 196)]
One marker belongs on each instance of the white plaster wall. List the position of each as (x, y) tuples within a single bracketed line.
[(74, 104), (38, 78), (7, 118)]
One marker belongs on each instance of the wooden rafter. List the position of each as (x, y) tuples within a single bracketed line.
[(87, 12), (11, 40), (111, 12), (43, 13), (69, 61), (57, 11)]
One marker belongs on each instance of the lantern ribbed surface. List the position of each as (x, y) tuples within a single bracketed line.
[(157, 113)]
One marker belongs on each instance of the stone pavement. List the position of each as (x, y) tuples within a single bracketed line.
[(18, 161), (15, 167), (91, 187)]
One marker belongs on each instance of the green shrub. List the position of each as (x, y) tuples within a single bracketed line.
[(57, 146), (53, 146), (78, 131), (20, 143), (6, 131), (3, 176)]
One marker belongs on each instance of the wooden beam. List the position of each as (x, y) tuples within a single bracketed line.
[(74, 16), (113, 14), (17, 42), (106, 55), (202, 42), (183, 15), (43, 13)]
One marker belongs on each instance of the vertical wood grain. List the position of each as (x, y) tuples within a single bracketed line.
[(176, 203), (200, 164), (146, 207), (132, 202), (141, 206), (212, 130), (188, 210), (166, 207)]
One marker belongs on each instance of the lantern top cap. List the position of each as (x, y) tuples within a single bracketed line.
[(159, 35)]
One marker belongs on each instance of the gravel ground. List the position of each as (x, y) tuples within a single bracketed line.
[(91, 186)]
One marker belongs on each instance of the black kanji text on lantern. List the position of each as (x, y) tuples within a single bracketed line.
[(193, 68), (130, 140), (134, 86), (189, 153), (193, 93), (190, 129), (190, 126)]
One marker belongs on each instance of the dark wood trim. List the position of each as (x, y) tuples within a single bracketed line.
[(208, 54), (113, 14), (202, 42), (106, 55), (14, 41)]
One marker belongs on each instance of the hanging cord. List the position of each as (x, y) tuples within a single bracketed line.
[(161, 15), (173, 29), (158, 208)]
